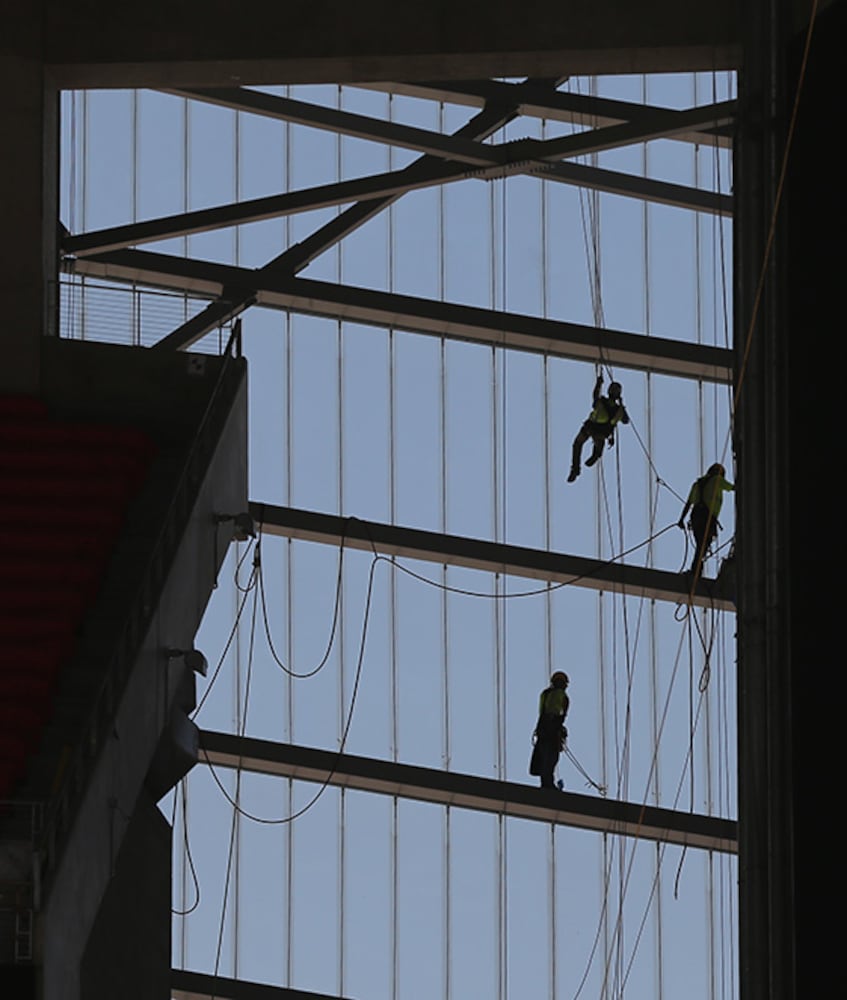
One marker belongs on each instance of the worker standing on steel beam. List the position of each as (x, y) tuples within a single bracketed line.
[(550, 732), (607, 413), (705, 500)]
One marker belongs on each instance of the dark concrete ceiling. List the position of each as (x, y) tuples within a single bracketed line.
[(212, 42)]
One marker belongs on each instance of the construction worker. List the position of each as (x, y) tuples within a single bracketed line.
[(608, 412), (550, 732), (705, 501)]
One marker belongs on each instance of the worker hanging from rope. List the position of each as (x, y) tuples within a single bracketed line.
[(607, 413), (705, 501), (550, 733)]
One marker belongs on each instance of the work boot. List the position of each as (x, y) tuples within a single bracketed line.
[(574, 473)]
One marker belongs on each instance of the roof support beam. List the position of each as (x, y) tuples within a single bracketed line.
[(187, 985), (557, 105), (632, 186), (466, 791), (491, 557), (395, 182), (452, 147), (404, 312), (656, 123), (295, 258), (482, 125)]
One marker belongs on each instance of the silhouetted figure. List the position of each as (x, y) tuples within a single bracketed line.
[(705, 501), (608, 412), (550, 732)]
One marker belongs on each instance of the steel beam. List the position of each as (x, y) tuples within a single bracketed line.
[(490, 557), (299, 256), (632, 186), (186, 985), (404, 312), (557, 105), (395, 182), (238, 213), (452, 147), (467, 791), (657, 123)]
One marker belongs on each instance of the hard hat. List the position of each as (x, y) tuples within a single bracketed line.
[(716, 470), (559, 677), (614, 390)]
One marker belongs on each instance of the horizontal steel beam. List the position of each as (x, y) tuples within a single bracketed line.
[(466, 791), (559, 105), (187, 985), (403, 312), (490, 557)]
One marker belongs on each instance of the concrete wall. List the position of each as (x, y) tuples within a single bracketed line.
[(128, 954), (92, 847)]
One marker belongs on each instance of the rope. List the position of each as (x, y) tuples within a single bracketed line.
[(528, 593), (325, 783), (335, 615), (186, 849)]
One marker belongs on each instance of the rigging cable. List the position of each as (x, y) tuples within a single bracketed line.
[(326, 781), (335, 615), (234, 826)]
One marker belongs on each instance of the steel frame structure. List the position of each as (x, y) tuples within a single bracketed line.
[(466, 791), (394, 541), (110, 254)]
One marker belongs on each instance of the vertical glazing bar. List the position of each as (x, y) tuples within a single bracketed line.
[(445, 623), (342, 797), (654, 644), (392, 590), (288, 828)]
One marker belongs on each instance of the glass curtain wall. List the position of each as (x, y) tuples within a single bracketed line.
[(355, 894)]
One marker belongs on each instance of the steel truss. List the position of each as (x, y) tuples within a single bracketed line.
[(235, 287), (446, 159), (467, 791), (491, 557)]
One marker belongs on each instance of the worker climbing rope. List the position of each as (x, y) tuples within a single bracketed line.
[(608, 411), (550, 735), (705, 500)]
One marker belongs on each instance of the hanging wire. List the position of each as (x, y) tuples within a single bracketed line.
[(336, 615), (232, 852), (326, 782), (186, 849), (538, 590)]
